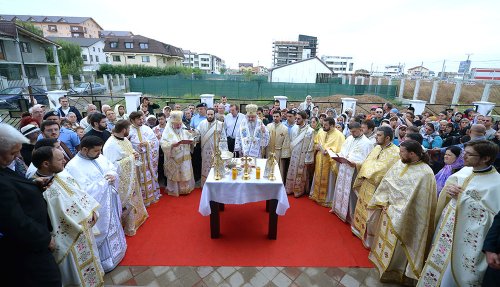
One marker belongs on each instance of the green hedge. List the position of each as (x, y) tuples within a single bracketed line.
[(145, 71)]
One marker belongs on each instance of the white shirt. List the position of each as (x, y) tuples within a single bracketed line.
[(230, 122)]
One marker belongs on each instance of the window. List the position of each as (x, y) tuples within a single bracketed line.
[(97, 59), (53, 28), (143, 45), (93, 49), (91, 58), (2, 55), (130, 57), (129, 45), (145, 59), (84, 57), (77, 35), (107, 59), (30, 72), (113, 44), (25, 47), (99, 49), (74, 28), (116, 59), (164, 61), (205, 65)]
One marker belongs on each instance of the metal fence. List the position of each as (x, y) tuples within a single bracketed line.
[(169, 87)]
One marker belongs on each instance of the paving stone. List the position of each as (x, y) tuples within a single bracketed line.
[(145, 277), (108, 280), (248, 273), (349, 281), (225, 272), (358, 273), (224, 284), (167, 278), (130, 282), (270, 284), (291, 272), (154, 283), (181, 271), (203, 271), (281, 280), (371, 280), (236, 279), (189, 279), (159, 270), (136, 270), (280, 268), (247, 285), (270, 272), (323, 280), (335, 273), (200, 284), (259, 279), (304, 280), (120, 274), (312, 271), (213, 279)]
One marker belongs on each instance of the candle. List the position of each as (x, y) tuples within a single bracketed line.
[(257, 172), (234, 173)]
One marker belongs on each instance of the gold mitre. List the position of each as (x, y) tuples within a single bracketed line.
[(176, 117), (251, 110)]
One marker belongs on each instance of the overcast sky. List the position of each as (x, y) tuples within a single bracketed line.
[(375, 33)]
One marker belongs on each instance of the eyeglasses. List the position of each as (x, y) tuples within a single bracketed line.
[(379, 112)]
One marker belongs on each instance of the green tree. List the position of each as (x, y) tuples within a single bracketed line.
[(222, 71), (30, 27), (70, 58)]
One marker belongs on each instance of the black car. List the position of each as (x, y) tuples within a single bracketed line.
[(9, 98)]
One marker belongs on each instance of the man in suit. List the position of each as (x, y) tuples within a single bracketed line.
[(25, 239), (492, 249)]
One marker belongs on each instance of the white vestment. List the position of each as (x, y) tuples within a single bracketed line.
[(70, 210), (344, 200), (121, 154), (302, 153), (207, 131), (178, 167), (251, 140), (149, 153), (110, 238)]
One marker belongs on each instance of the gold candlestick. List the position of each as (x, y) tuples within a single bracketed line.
[(217, 164)]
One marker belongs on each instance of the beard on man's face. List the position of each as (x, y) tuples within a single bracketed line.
[(101, 128), (210, 119)]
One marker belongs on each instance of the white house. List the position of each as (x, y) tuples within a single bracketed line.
[(92, 51), (304, 71), (208, 63)]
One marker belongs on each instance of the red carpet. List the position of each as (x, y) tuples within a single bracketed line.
[(308, 235)]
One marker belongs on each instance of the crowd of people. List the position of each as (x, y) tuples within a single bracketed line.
[(415, 189)]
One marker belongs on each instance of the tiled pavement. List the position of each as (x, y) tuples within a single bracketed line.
[(242, 276)]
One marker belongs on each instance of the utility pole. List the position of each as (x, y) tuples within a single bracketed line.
[(442, 70)]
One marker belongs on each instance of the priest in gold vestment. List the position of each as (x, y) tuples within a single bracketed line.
[(325, 170), (177, 145), (373, 169), (72, 214), (464, 214), (279, 142), (119, 151), (405, 200)]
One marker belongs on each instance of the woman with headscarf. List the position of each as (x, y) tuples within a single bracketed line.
[(307, 105), (431, 136), (453, 160), (120, 112)]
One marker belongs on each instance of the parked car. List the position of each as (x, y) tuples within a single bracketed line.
[(87, 89), (9, 98)]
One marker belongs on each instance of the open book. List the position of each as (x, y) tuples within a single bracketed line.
[(335, 156)]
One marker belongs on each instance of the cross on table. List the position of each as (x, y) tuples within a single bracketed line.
[(246, 164)]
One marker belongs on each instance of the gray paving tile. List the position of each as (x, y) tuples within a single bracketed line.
[(350, 281), (159, 270), (259, 279), (313, 271), (281, 280), (189, 279), (213, 279), (181, 271), (270, 272), (236, 279), (225, 272), (154, 283), (167, 278), (291, 272), (145, 278), (203, 271), (120, 274), (248, 273)]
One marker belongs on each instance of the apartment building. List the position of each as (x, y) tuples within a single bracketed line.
[(287, 52), (60, 26), (343, 65), (92, 51), (208, 63), (140, 50), (312, 47)]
